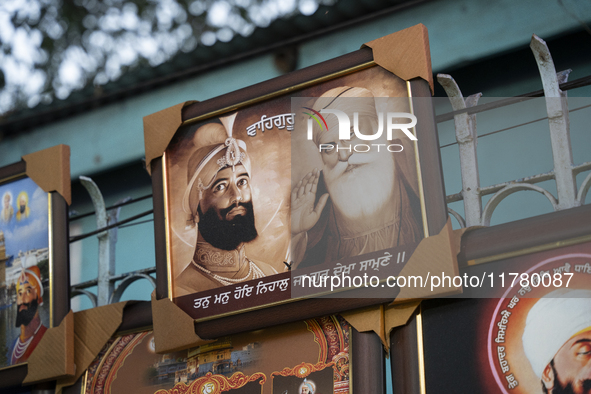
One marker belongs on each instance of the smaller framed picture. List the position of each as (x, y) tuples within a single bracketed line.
[(312, 356), (34, 281), (528, 332)]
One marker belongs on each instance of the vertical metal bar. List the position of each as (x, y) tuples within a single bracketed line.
[(114, 218), (106, 260), (467, 140), (558, 119)]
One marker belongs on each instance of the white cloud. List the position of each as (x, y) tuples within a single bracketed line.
[(38, 203), (33, 229)]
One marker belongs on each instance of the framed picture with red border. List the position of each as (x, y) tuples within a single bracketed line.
[(317, 355)]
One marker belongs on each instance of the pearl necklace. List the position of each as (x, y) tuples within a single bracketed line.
[(256, 272), (21, 347)]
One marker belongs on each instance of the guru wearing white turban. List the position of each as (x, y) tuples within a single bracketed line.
[(553, 320), (309, 385), (217, 150)]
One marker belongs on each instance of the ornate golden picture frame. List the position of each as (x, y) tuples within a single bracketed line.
[(315, 353)]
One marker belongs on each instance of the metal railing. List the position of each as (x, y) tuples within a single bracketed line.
[(564, 171), (108, 223), (464, 114)]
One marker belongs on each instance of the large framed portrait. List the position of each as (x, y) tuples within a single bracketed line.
[(263, 188), (530, 332), (312, 356), (34, 279)]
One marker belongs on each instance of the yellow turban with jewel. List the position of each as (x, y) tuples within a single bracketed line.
[(31, 276)]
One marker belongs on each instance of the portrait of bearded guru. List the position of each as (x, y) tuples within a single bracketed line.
[(357, 202), (227, 222), (219, 207)]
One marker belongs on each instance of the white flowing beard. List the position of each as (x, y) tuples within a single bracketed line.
[(363, 190)]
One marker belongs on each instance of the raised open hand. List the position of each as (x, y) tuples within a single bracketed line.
[(303, 213)]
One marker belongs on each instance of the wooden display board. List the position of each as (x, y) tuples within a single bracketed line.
[(323, 353), (231, 174)]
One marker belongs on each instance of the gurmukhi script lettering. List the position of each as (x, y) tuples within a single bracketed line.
[(280, 121)]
